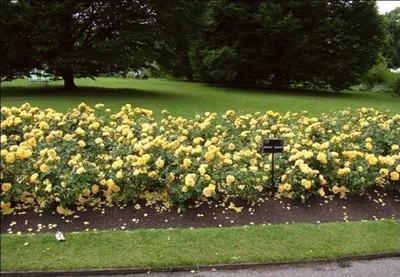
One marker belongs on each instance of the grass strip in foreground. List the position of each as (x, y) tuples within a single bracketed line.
[(196, 247)]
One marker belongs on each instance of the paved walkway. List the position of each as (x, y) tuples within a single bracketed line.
[(374, 268)]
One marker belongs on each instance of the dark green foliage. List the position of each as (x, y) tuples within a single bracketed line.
[(182, 23), (391, 51), (16, 51), (73, 38), (315, 43), (379, 74), (380, 79)]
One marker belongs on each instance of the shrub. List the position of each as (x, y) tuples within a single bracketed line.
[(90, 156)]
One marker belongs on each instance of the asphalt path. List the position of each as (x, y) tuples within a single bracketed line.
[(373, 268)]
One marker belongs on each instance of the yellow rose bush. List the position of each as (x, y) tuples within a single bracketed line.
[(88, 156)]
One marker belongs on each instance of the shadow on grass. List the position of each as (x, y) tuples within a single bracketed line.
[(262, 89), (98, 92)]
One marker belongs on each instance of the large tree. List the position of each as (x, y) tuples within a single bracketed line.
[(182, 24), (282, 42), (391, 51), (73, 38)]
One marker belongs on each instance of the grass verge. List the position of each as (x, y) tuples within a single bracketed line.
[(195, 247), (188, 98)]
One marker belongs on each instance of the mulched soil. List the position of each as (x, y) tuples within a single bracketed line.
[(376, 205)]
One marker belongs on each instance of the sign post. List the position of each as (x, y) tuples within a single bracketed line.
[(273, 146)]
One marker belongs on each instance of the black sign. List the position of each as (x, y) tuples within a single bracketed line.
[(273, 146)]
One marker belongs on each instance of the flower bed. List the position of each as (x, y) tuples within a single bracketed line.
[(90, 156)]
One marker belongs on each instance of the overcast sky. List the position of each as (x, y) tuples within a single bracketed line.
[(387, 6)]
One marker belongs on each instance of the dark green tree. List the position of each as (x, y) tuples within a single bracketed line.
[(73, 38), (391, 51), (324, 43), (182, 24)]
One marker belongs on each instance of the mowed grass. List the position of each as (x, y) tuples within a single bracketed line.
[(186, 99), (196, 247)]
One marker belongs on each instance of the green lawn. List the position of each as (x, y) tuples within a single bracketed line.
[(195, 247), (187, 98)]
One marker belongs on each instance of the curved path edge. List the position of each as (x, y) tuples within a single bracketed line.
[(122, 271)]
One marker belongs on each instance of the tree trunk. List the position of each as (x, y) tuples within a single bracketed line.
[(69, 81), (278, 80)]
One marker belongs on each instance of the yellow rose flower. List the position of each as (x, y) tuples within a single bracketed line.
[(119, 174), (207, 191), (306, 183), (321, 192), (287, 186), (184, 189), (95, 189), (6, 207), (115, 188), (117, 164), (189, 182), (6, 187), (79, 131), (60, 210), (187, 162), (384, 172), (253, 161), (10, 158), (3, 139), (20, 153), (202, 170), (228, 161), (52, 153), (230, 113), (160, 163), (85, 192), (81, 170), (343, 171), (98, 140), (368, 146), (81, 143), (71, 163), (34, 177), (32, 142), (231, 146), (394, 175), (153, 174), (43, 125), (253, 168), (67, 137), (335, 189), (209, 156), (372, 160), (44, 168), (146, 158), (321, 157), (230, 179), (398, 168)]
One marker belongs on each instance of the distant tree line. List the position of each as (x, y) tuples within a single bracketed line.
[(314, 43)]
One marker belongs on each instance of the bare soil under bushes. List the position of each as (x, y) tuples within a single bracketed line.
[(376, 205)]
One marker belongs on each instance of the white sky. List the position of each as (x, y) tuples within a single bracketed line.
[(387, 6)]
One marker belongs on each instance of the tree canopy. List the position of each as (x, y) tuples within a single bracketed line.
[(73, 38), (391, 51), (324, 43), (312, 43)]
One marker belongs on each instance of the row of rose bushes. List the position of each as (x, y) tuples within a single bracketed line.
[(88, 156)]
